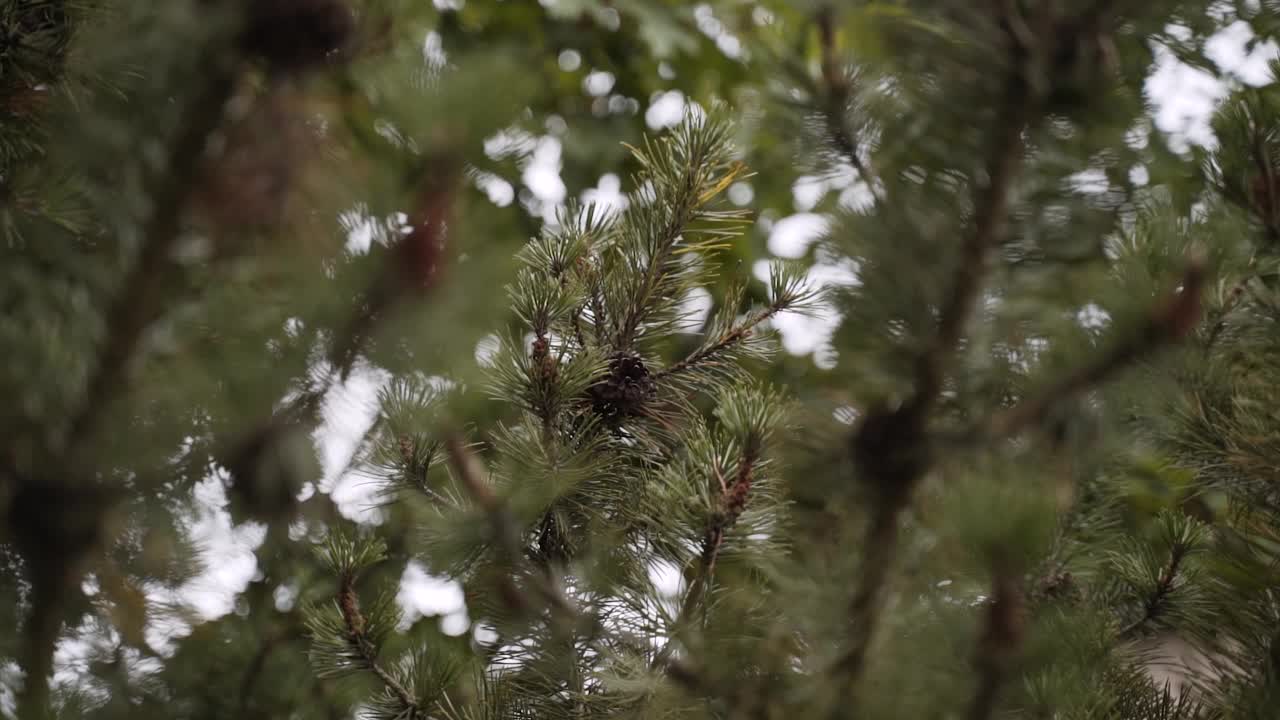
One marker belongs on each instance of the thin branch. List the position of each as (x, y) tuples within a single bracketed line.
[(253, 670), (40, 632), (1001, 639), (1270, 194), (1019, 32), (680, 216), (470, 473), (1164, 586), (414, 266), (708, 353), (1233, 298), (987, 231), (138, 303), (891, 447), (349, 603), (835, 101), (733, 500), (879, 549), (1169, 322)]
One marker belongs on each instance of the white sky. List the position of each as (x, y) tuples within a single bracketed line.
[(1183, 100)]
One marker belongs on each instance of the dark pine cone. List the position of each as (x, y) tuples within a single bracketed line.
[(624, 390), (1058, 585), (296, 34)]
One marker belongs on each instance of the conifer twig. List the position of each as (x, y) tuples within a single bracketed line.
[(253, 670), (1233, 298), (40, 634), (728, 339), (349, 604), (1270, 194), (835, 101), (1164, 586), (469, 472), (879, 548), (733, 500), (1001, 638), (1171, 320)]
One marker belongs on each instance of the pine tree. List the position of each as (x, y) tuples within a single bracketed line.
[(179, 305), (1034, 481), (975, 542)]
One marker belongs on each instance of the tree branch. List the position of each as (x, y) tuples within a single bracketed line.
[(835, 101), (891, 448), (879, 548), (708, 353), (40, 634), (1267, 197), (987, 231), (733, 500), (1172, 319), (414, 266), (1164, 586), (470, 473), (1000, 641), (138, 303), (254, 669), (349, 603)]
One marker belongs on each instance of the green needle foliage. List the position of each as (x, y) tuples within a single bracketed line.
[(1035, 475), (608, 466)]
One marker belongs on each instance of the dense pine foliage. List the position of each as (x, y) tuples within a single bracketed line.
[(1030, 475)]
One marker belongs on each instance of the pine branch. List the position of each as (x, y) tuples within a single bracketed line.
[(1001, 639), (835, 90), (987, 231), (469, 472), (415, 463), (1234, 297), (880, 547), (253, 671), (349, 604), (1269, 191), (413, 268), (789, 290), (891, 447), (40, 635), (1171, 320), (733, 500), (727, 341), (680, 216), (698, 153), (139, 302), (346, 637), (1155, 604)]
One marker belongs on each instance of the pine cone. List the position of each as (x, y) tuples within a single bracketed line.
[(626, 388), (736, 499)]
